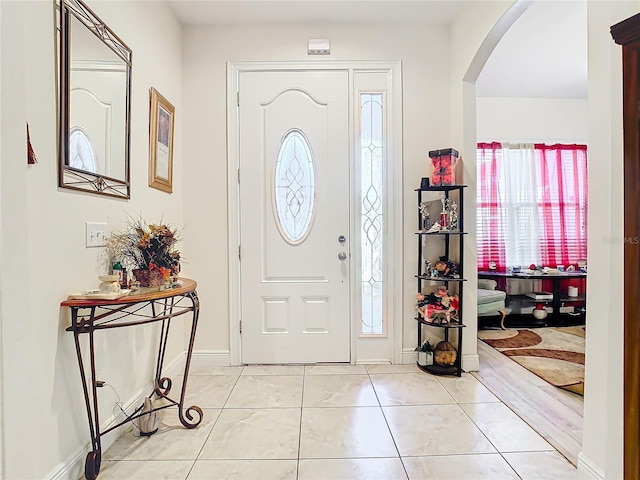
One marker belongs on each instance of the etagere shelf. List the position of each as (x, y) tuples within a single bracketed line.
[(446, 248)]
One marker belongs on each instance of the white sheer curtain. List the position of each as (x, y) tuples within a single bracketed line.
[(520, 192)]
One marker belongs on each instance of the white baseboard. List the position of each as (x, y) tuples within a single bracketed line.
[(409, 356), (470, 362), (587, 470), (210, 358)]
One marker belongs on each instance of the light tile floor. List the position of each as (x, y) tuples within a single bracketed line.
[(337, 422)]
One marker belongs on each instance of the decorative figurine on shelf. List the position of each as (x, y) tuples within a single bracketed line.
[(426, 220), (428, 269), (444, 215), (447, 268), (453, 217), (438, 307), (421, 305), (435, 228)]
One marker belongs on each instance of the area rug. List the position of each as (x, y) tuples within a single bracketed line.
[(555, 354)]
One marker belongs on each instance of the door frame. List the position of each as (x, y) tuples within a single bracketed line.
[(394, 205)]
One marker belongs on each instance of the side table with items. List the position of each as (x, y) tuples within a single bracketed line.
[(93, 312)]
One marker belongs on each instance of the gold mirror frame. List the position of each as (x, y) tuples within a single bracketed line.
[(70, 177)]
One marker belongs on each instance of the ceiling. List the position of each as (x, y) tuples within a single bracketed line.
[(544, 54)]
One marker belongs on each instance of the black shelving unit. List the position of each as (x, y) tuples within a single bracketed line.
[(445, 250)]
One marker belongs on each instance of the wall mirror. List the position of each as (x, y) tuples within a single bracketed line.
[(95, 104)]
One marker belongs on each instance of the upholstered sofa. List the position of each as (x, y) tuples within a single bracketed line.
[(491, 302)]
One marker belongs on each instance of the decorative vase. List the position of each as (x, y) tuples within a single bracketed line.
[(422, 358), (109, 284), (148, 278), (540, 312), (425, 358)]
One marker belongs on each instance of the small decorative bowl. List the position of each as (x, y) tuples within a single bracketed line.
[(109, 284)]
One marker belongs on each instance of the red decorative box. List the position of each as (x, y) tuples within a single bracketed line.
[(444, 166)]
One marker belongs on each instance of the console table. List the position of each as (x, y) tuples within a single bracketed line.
[(555, 278), (145, 306)]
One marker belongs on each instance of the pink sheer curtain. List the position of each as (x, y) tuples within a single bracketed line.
[(562, 208), (491, 239)]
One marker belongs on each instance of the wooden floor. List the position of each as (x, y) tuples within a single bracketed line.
[(554, 413)]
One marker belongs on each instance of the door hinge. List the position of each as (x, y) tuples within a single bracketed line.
[(238, 98), (238, 175), (240, 326), (239, 253)]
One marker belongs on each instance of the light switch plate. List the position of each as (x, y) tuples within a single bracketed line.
[(96, 232)]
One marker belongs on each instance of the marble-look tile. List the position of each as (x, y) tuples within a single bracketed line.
[(507, 431), (266, 391), (254, 434), (338, 391), (350, 432), (172, 441), (144, 470), (459, 467), (409, 368), (273, 370), (435, 430), (206, 391), (351, 468), (410, 389), (334, 369), (467, 389), (244, 470), (541, 466)]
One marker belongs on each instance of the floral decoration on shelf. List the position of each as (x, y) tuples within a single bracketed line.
[(438, 307), (148, 250)]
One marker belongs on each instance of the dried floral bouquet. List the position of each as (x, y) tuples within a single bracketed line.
[(147, 247)]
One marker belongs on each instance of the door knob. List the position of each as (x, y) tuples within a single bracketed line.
[(342, 256)]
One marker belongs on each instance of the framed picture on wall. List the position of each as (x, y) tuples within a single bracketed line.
[(161, 117)]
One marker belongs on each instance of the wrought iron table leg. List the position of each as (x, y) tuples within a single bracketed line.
[(93, 459), (189, 411), (92, 465)]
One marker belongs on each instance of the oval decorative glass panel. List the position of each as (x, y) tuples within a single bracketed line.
[(81, 154), (294, 187)]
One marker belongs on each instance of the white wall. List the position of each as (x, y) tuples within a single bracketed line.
[(603, 402), (43, 233), (473, 35), (426, 127), (534, 120)]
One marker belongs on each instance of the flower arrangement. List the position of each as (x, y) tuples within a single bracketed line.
[(147, 247), (425, 347), (438, 307)]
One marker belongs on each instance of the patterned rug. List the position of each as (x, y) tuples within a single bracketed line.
[(555, 354)]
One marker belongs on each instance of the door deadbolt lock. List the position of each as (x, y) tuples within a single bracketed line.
[(342, 256), (342, 239)]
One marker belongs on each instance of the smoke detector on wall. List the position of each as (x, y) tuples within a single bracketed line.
[(318, 46)]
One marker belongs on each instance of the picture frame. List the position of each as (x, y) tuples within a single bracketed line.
[(161, 121)]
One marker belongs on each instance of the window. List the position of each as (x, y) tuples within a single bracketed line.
[(81, 155), (531, 204), (371, 212), (294, 187)]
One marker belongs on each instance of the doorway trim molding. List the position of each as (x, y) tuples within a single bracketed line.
[(394, 194)]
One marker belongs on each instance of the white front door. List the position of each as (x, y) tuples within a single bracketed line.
[(294, 216)]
